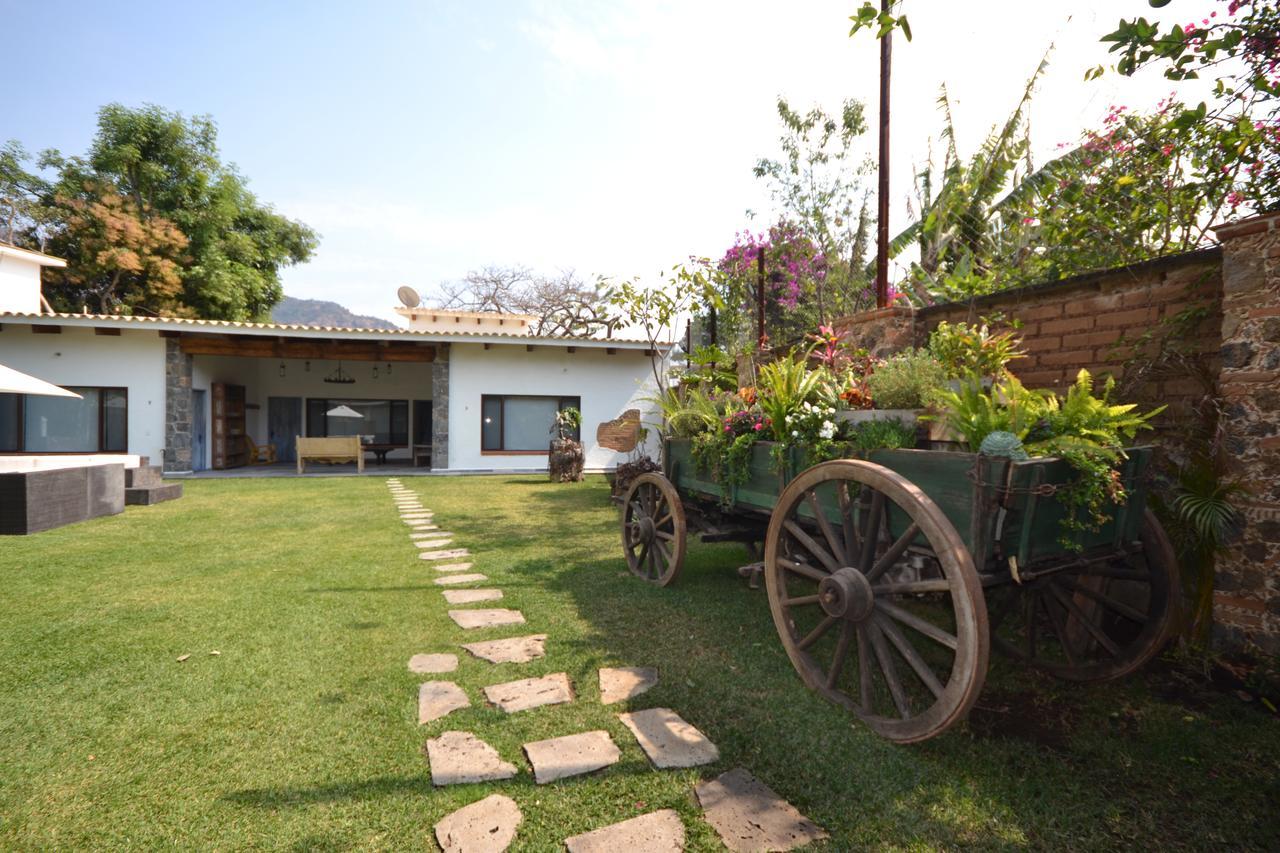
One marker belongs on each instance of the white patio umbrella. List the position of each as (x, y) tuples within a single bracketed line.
[(16, 382), (343, 412)]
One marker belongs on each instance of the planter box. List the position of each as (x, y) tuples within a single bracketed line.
[(31, 501), (860, 416)]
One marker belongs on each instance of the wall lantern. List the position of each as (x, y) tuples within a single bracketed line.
[(282, 370)]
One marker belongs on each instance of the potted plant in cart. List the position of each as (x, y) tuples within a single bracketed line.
[(566, 458)]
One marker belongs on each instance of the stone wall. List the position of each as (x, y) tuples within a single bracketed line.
[(177, 407), (1247, 593), (1198, 332), (440, 409)]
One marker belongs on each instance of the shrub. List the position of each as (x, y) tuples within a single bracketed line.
[(907, 380)]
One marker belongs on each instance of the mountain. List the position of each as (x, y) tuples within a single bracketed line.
[(318, 312)]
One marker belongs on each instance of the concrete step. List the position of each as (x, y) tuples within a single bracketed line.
[(149, 495), (142, 477)]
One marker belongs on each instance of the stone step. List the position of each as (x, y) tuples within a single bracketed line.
[(153, 494), (142, 477)]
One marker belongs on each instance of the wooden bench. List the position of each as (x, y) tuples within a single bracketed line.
[(334, 448)]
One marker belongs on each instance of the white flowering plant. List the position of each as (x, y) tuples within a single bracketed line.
[(815, 429)]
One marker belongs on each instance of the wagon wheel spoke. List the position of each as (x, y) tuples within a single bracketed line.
[(811, 545), (896, 550), (889, 671), (865, 684), (911, 587), (838, 550), (816, 634), (1131, 613), (871, 534), (911, 656), (1083, 620), (801, 600), (847, 523), (802, 569), (1059, 630), (847, 631), (909, 619), (1029, 620)]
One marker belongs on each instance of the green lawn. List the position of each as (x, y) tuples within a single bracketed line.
[(302, 732)]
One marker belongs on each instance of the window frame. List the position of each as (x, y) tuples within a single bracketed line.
[(562, 402), (102, 424)]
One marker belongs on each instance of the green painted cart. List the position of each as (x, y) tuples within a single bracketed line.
[(889, 579)]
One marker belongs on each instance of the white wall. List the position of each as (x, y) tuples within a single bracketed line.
[(607, 384), (261, 378), (133, 360), (19, 284)]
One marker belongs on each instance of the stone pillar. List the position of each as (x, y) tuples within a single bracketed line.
[(440, 409), (177, 407), (1246, 599), (881, 332)]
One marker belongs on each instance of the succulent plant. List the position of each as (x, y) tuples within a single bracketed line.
[(1004, 444)]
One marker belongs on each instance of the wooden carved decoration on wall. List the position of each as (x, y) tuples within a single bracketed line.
[(622, 433)]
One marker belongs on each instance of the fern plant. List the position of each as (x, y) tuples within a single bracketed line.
[(783, 386)]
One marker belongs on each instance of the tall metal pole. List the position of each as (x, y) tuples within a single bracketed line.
[(760, 339), (882, 207)]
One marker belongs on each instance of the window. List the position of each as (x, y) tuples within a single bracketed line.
[(96, 423), (387, 421), (518, 424)]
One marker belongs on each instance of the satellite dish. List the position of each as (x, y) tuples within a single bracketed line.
[(409, 297)]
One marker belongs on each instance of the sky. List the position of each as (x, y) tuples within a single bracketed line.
[(611, 137)]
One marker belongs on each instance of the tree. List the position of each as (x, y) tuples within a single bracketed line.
[(169, 167), (819, 188), (563, 304), (22, 212)]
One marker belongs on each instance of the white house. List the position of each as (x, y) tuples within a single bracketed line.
[(476, 388)]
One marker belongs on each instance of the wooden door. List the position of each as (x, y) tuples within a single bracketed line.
[(284, 424)]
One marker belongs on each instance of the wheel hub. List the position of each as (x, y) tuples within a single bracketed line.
[(645, 529), (846, 594)]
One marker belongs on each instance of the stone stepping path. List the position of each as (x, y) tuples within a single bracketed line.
[(454, 580), (511, 650), (435, 540), (439, 698), (461, 757), (448, 568), (748, 815), (529, 693), (668, 740), (626, 682), (424, 535), (571, 755), (434, 543), (497, 617), (471, 596), (444, 555), (657, 832), (485, 826), (428, 664)]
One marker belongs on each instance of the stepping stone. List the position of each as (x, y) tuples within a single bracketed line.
[(667, 739), (572, 755), (530, 692), (453, 567), (748, 815), (434, 543), (440, 537), (438, 698), (453, 580), (485, 826), (460, 757), (658, 832), (471, 596), (424, 535), (511, 650), (625, 682), (416, 515), (444, 555), (424, 664), (485, 618)]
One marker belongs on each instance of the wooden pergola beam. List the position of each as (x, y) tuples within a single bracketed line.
[(251, 346)]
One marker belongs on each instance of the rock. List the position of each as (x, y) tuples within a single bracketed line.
[(749, 816), (425, 664), (444, 555), (485, 826), (572, 755), (454, 580), (529, 693), (471, 596), (453, 567), (460, 757), (668, 740), (494, 618), (625, 682), (511, 650), (438, 698), (182, 658), (657, 832), (438, 540), (420, 531)]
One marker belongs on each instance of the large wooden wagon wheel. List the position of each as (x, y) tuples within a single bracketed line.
[(876, 599), (1094, 619), (653, 529)]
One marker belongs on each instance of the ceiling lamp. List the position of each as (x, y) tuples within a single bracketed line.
[(339, 377)]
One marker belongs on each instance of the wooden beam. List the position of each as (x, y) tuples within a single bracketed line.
[(488, 346), (571, 349), (252, 346), (106, 332), (169, 333), (528, 347), (611, 350), (46, 330)]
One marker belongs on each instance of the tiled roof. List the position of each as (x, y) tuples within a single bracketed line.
[(237, 326)]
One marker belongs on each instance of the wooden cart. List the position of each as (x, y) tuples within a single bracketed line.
[(890, 579)]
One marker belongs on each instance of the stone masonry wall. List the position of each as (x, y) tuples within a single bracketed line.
[(440, 409), (177, 407), (1247, 592)]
